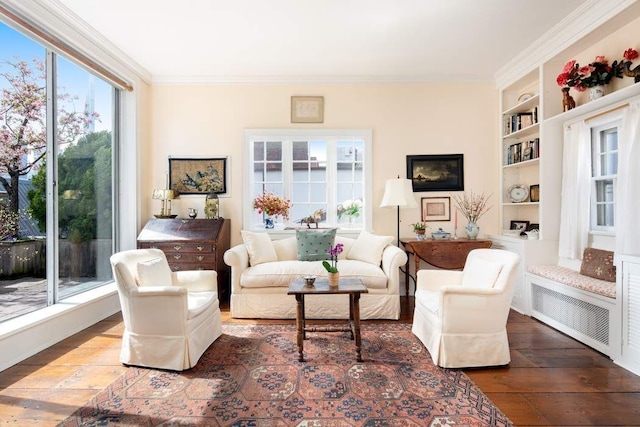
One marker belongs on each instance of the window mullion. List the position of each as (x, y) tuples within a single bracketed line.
[(52, 173), (287, 167)]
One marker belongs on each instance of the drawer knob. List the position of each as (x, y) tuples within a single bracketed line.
[(200, 248), (177, 247), (178, 256), (200, 257)]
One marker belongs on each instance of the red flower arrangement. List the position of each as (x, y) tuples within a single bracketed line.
[(272, 205), (599, 72)]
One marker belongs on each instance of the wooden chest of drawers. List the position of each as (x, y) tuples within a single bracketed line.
[(192, 244)]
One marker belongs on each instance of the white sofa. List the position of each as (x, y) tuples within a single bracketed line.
[(260, 290)]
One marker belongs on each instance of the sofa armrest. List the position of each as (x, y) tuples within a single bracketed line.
[(238, 259), (392, 259), (196, 280)]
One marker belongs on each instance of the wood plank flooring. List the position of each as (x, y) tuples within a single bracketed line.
[(552, 380)]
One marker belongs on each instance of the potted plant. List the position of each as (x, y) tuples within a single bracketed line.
[(419, 228), (332, 265)]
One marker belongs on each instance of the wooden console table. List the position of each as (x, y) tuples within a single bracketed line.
[(447, 254)]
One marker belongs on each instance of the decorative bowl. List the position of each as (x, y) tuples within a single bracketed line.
[(440, 234), (309, 280)]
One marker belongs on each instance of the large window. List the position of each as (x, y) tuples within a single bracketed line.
[(57, 171), (325, 173), (604, 169)]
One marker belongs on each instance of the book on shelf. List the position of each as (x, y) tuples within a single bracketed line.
[(519, 121), (522, 151)]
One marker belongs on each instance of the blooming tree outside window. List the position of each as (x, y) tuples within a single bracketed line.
[(23, 125)]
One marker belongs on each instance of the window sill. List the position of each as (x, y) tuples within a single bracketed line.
[(29, 320)]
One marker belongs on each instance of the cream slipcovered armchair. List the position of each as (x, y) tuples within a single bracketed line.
[(170, 318), (461, 316)]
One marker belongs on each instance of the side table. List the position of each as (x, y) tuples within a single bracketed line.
[(352, 287), (447, 254)]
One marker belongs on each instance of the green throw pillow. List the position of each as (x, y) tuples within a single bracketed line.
[(314, 244)]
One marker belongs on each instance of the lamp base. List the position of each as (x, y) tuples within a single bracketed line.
[(165, 216)]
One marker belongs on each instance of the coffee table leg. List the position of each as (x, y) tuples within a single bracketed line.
[(300, 325), (351, 322), (356, 325)]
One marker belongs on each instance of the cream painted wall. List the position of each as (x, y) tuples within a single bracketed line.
[(145, 131), (406, 119)]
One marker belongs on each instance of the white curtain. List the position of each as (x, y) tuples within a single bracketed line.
[(628, 186), (576, 182)]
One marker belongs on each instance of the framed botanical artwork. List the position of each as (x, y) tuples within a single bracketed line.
[(436, 209), (436, 172), (307, 109), (198, 175), (519, 225)]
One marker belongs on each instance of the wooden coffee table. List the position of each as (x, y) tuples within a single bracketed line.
[(352, 287)]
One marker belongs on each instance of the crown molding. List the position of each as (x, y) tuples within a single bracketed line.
[(61, 23), (311, 80), (586, 18)]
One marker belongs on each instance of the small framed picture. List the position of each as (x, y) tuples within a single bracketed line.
[(534, 193), (436, 209), (519, 225), (307, 109)]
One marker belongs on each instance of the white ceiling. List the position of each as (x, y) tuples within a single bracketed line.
[(329, 40)]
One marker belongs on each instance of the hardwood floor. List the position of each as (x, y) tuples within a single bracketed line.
[(552, 380)]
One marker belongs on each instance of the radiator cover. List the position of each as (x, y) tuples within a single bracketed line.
[(588, 319)]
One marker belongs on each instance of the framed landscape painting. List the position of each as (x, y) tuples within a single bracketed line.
[(436, 172), (198, 176)]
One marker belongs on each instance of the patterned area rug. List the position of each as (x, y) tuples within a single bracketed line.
[(250, 376)]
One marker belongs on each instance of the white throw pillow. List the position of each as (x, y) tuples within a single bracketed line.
[(259, 246), (369, 247), (155, 272), (481, 273)]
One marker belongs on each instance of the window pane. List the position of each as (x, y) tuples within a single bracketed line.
[(605, 215), (604, 190), (85, 191), (258, 150), (22, 127)]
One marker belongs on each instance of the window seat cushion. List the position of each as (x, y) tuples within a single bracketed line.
[(573, 278)]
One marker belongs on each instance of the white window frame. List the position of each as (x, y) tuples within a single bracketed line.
[(251, 135), (596, 131)]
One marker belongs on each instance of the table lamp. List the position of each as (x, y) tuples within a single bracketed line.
[(398, 193)]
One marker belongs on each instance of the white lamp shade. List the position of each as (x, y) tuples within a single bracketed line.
[(398, 193)]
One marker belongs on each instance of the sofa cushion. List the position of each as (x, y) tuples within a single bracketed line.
[(314, 244), (259, 247), (480, 273), (155, 272), (598, 264), (369, 247), (281, 273)]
